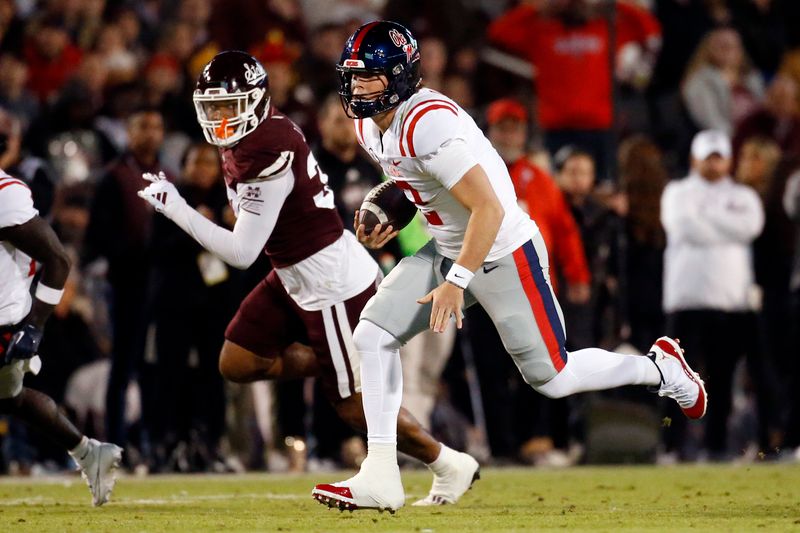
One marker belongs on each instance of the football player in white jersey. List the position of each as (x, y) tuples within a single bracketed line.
[(485, 249), (25, 239)]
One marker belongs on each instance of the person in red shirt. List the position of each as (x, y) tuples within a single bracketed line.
[(567, 41), (540, 197), (543, 439), (51, 58)]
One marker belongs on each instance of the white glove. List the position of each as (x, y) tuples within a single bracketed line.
[(162, 195)]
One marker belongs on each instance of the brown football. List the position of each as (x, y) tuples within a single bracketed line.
[(386, 204)]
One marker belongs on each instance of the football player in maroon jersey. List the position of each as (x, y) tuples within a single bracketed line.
[(298, 321)]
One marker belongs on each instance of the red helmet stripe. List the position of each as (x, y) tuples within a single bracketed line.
[(360, 37)]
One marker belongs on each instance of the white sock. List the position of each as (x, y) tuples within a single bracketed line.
[(82, 448), (442, 463), (595, 369), (381, 383)]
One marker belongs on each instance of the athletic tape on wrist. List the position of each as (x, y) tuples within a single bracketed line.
[(459, 276), (48, 295)]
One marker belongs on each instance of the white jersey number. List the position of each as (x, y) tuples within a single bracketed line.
[(324, 198)]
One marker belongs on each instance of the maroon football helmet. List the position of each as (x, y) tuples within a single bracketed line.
[(231, 97)]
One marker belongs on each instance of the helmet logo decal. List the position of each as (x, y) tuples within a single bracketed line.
[(254, 73), (397, 38), (400, 41), (355, 63)]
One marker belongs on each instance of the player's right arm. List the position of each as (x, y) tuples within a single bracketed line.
[(38, 240), (25, 230), (260, 202)]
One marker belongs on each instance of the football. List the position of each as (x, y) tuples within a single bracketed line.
[(386, 204)]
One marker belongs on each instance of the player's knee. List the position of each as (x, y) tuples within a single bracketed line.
[(562, 384), (233, 364), (228, 368), (535, 372), (369, 338)]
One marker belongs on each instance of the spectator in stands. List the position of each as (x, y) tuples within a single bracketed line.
[(120, 231), (643, 178), (791, 204), (683, 25), (51, 58), (777, 118), (292, 100), (71, 119), (599, 226), (541, 198), (351, 174), (720, 86), (711, 222), (759, 166), (242, 24), (121, 63), (322, 51), (509, 429), (13, 94), (567, 42), (12, 28), (763, 29), (16, 160), (193, 304), (435, 64)]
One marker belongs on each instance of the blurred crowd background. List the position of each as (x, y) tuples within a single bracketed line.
[(592, 103)]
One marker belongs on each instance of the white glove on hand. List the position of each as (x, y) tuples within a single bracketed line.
[(162, 195)]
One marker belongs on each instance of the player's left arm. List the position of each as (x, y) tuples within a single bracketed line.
[(476, 194), (260, 205)]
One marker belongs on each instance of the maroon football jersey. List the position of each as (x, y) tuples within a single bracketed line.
[(308, 221)]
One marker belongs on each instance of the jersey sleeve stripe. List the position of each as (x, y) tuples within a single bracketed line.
[(278, 167), (410, 134), (421, 108), (359, 126), (11, 181)]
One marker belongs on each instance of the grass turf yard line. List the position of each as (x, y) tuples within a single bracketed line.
[(762, 497)]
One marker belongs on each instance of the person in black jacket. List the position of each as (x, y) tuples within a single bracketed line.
[(119, 230), (193, 303)]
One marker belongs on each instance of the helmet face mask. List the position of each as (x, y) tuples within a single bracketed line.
[(379, 48), (231, 98), (228, 118)]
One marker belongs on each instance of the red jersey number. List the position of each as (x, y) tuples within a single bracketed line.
[(432, 217)]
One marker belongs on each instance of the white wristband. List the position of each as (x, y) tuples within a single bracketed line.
[(459, 276), (48, 295)]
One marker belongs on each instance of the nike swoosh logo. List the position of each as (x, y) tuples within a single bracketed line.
[(457, 276), (396, 163), (489, 269)]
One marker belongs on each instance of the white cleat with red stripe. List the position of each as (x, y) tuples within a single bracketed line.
[(678, 380), (369, 489)]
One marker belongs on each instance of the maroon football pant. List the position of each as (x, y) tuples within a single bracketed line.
[(268, 321)]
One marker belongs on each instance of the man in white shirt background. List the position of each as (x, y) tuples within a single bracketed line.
[(709, 291)]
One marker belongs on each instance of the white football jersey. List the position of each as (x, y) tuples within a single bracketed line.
[(428, 148), (16, 268)]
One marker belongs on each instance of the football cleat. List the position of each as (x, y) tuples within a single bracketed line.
[(678, 380), (363, 491), (462, 471), (99, 469)]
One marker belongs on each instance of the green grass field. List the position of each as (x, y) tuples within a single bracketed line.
[(702, 498)]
